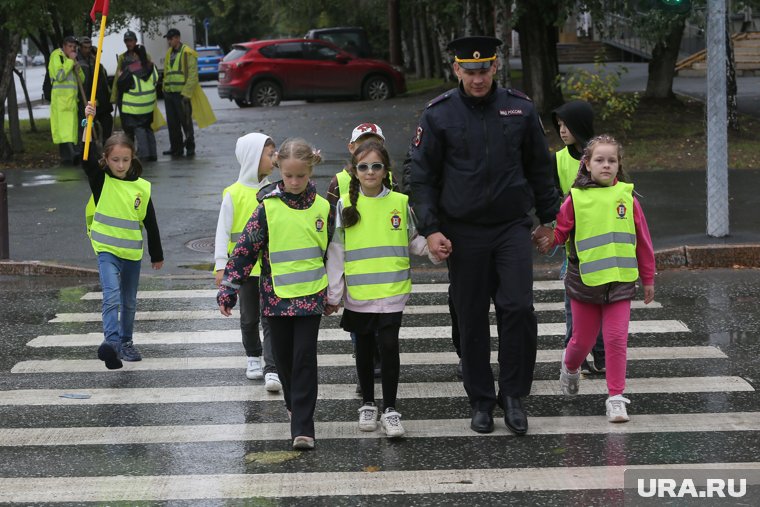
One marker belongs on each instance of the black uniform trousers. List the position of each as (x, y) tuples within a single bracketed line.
[(294, 344), (179, 119), (498, 257)]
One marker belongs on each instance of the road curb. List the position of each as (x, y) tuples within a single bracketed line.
[(39, 268), (709, 256)]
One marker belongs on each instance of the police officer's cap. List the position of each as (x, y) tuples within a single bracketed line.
[(130, 35), (173, 32), (70, 39), (474, 52)]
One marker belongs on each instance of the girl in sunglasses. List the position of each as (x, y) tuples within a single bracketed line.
[(368, 269)]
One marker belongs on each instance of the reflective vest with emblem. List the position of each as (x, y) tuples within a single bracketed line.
[(605, 234), (377, 249), (243, 203), (119, 214), (567, 170), (297, 245), (141, 98), (174, 71)]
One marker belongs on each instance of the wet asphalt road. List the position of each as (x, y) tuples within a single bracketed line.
[(46, 353), (693, 382)]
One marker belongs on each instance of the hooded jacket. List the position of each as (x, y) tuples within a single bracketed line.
[(248, 152), (578, 117)]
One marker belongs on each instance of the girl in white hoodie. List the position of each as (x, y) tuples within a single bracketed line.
[(368, 268), (255, 154)]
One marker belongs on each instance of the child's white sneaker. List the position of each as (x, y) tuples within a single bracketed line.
[(391, 422), (568, 381), (368, 417), (616, 411), (272, 382), (254, 371)]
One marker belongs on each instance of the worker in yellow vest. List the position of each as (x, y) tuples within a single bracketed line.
[(290, 228), (138, 102), (183, 96), (65, 78)]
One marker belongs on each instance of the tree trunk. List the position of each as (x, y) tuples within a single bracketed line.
[(425, 45), (32, 125), (731, 87), (394, 32), (417, 46), (17, 145), (9, 46), (502, 31), (662, 66), (442, 40), (538, 52)]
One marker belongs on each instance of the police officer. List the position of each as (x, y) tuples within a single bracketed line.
[(65, 79), (479, 164), (180, 79)]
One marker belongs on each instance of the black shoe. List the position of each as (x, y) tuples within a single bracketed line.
[(514, 415), (482, 422), (173, 153), (459, 369), (600, 362), (190, 153), (110, 356), (587, 367)]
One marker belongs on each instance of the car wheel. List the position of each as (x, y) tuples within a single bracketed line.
[(242, 103), (266, 94), (377, 88)]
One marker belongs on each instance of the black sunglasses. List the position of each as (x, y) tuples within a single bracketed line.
[(375, 166)]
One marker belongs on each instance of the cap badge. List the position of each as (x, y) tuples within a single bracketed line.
[(476, 55)]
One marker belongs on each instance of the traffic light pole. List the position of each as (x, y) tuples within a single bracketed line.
[(717, 121)]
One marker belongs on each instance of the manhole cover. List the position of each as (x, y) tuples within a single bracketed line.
[(205, 245)]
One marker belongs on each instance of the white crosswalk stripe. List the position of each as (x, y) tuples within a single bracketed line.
[(54, 385)]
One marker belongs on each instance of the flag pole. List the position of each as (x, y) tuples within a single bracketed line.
[(95, 76)]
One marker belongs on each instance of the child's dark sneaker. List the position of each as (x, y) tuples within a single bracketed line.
[(108, 354), (130, 353), (600, 362)]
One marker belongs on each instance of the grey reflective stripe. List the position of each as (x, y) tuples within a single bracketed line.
[(235, 236), (299, 254), (139, 93), (374, 278), (59, 86), (132, 225), (609, 262), (606, 239), (301, 277), (172, 72), (374, 252), (117, 242)]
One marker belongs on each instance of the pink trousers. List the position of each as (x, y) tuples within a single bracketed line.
[(613, 318)]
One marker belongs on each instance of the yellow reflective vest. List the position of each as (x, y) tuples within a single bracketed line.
[(118, 221), (181, 75), (297, 245), (377, 249), (141, 98), (64, 124), (605, 234), (567, 169), (244, 202)]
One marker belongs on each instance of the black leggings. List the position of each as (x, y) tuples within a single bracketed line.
[(387, 339)]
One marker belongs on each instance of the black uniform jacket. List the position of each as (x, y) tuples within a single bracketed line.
[(481, 161)]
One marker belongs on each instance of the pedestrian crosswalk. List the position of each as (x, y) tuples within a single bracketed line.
[(185, 424)]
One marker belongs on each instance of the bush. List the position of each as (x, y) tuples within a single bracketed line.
[(598, 87)]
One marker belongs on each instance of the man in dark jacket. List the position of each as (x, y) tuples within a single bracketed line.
[(86, 60), (480, 163)]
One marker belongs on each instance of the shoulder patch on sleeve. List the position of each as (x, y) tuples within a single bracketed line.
[(518, 93), (439, 98)]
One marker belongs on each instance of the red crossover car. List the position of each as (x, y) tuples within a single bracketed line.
[(262, 73)]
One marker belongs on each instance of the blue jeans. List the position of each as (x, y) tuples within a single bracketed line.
[(118, 279)]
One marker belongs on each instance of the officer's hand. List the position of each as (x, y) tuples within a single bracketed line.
[(648, 294), (439, 245), (218, 277), (157, 265)]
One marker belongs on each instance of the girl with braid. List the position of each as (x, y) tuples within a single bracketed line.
[(368, 269)]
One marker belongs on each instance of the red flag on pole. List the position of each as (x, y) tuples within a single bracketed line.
[(100, 6)]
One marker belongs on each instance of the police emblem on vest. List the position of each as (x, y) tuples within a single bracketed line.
[(395, 220)]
